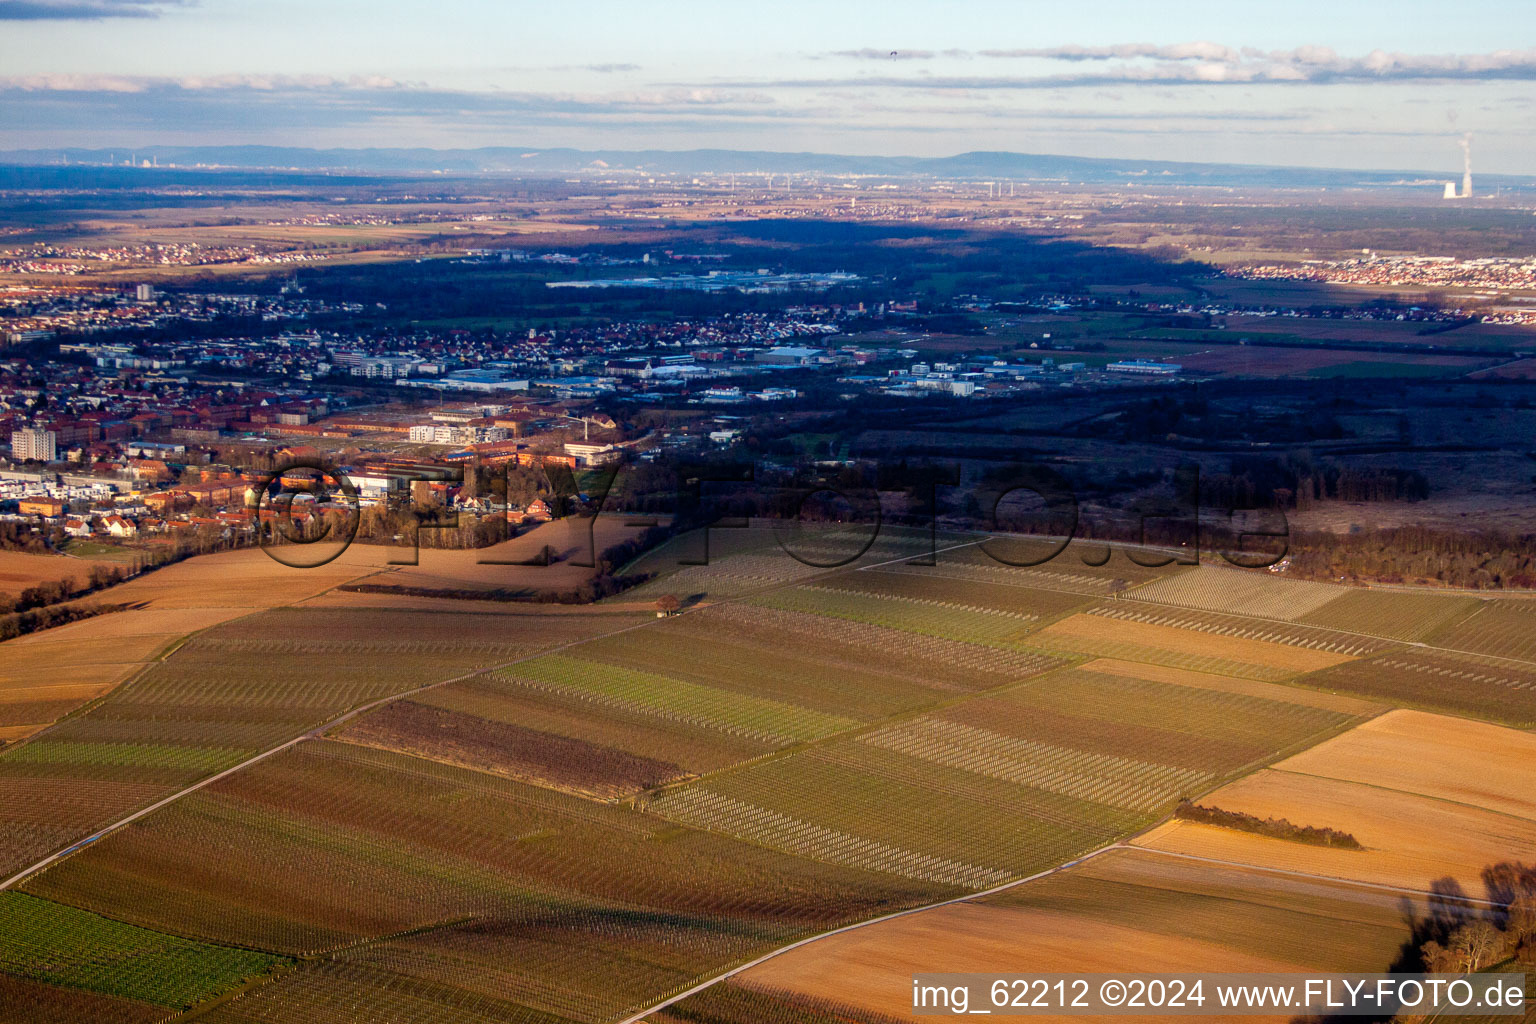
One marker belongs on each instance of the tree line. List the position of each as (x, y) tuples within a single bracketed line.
[(1476, 559), (1275, 828)]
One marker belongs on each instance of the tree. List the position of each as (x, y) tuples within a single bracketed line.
[(1469, 948), (1521, 928), (668, 604)]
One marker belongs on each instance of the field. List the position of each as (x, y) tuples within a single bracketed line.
[(574, 540), (939, 591), (232, 691), (677, 700), (19, 570), (1130, 640), (1273, 361), (1238, 592), (1457, 760), (46, 675), (1395, 614), (642, 708), (47, 942), (1072, 754), (951, 620), (1265, 630), (1495, 689), (35, 1002), (516, 751), (741, 561), (829, 664), (1124, 911), (731, 1003), (1428, 798), (596, 807), (1504, 628), (529, 900)]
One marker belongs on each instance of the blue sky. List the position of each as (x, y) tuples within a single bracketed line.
[(1326, 84)]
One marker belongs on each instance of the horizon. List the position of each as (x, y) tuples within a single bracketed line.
[(1105, 81), (130, 158)]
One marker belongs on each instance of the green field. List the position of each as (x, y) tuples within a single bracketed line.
[(929, 616), (60, 945), (1072, 755), (676, 700), (1395, 614), (97, 550), (1492, 689), (1506, 628)]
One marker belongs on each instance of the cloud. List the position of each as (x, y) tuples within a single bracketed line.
[(1194, 63), (873, 53), (94, 83), (1206, 62), (1126, 51), (276, 103), (82, 10)]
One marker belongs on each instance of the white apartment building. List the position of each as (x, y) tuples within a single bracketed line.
[(33, 443)]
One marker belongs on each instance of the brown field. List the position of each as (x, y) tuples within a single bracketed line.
[(45, 675), (1506, 628), (1428, 797), (1445, 758), (1519, 369), (19, 570), (466, 570), (247, 578), (497, 699), (1238, 592), (1090, 632), (517, 752), (1122, 911), (1399, 331), (36, 1002), (1409, 840)]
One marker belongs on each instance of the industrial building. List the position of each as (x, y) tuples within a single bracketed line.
[(1144, 366)]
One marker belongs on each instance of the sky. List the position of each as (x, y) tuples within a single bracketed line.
[(1291, 82)]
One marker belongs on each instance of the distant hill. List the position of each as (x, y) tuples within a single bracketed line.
[(539, 163)]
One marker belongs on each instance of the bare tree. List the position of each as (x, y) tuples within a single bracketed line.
[(1469, 948), (1521, 929)]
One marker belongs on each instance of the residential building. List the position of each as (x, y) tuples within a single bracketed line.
[(33, 443)]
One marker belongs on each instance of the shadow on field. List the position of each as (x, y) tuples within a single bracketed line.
[(1453, 932)]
